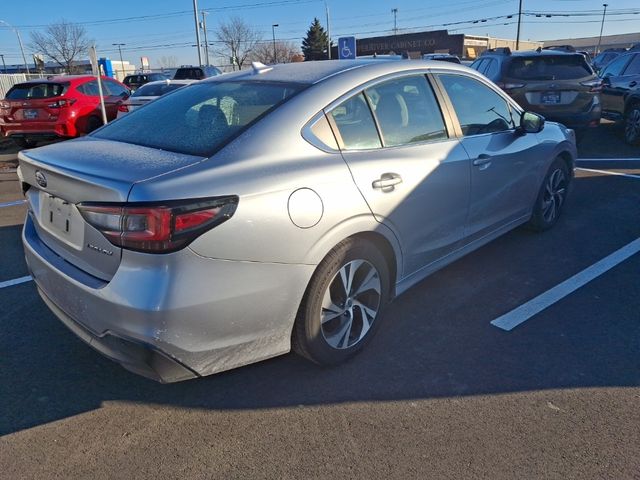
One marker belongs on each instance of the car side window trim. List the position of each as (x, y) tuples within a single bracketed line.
[(449, 124)]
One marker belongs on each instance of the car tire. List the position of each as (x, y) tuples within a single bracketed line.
[(25, 142), (552, 197), (93, 123), (632, 125), (335, 321)]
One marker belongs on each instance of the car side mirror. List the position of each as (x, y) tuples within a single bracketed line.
[(531, 122)]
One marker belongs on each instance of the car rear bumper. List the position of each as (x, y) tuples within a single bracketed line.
[(176, 316), (43, 130)]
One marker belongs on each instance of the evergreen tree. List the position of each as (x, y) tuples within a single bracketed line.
[(314, 45)]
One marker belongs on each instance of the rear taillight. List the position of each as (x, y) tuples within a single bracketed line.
[(123, 108), (66, 102), (4, 106), (510, 86), (158, 228), (595, 86)]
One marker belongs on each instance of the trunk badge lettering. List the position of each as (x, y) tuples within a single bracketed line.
[(99, 249), (41, 179)]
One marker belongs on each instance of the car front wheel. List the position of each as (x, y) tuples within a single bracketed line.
[(344, 303), (552, 196), (632, 125)]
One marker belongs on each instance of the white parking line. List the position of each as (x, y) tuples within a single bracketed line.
[(608, 160), (11, 204), (608, 172), (15, 281), (527, 310)]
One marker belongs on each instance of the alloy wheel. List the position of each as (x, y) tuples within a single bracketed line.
[(350, 304), (632, 126), (554, 194)]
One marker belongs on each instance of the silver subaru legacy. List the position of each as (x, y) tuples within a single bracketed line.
[(280, 208)]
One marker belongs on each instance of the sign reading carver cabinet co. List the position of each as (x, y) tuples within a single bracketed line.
[(347, 48)]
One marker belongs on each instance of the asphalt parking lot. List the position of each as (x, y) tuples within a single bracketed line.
[(441, 392)]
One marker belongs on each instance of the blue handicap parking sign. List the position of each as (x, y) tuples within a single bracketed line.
[(346, 47)]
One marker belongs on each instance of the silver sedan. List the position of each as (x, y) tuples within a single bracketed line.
[(280, 207)]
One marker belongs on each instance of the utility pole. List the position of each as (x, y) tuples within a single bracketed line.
[(206, 42), (24, 59), (604, 13), (519, 22), (120, 45), (273, 32), (195, 18), (326, 7), (395, 20), (4, 65)]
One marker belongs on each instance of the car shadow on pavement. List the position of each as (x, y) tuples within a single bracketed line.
[(436, 340)]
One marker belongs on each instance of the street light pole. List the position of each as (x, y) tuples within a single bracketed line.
[(24, 59), (519, 23), (273, 32), (604, 13), (395, 20), (326, 7), (4, 65), (120, 45), (206, 42), (195, 17)]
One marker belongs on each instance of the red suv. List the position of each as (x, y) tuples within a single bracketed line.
[(58, 107)]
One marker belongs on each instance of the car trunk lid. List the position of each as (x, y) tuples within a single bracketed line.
[(58, 177)]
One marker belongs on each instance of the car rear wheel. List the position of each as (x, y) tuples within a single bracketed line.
[(25, 142), (93, 123), (552, 197), (343, 305), (632, 125)]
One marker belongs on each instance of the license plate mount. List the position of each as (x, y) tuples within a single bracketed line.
[(550, 98), (30, 114), (61, 219)]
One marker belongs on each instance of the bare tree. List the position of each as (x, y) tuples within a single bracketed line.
[(237, 41), (285, 52), (62, 42)]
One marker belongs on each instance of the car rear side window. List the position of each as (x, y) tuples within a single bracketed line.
[(492, 70), (479, 109), (407, 111), (27, 91), (549, 67), (355, 124), (201, 119), (89, 88), (634, 66)]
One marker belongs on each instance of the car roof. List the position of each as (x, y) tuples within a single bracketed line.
[(317, 71), (169, 81), (63, 79)]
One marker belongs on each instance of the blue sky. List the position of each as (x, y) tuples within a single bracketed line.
[(166, 27)]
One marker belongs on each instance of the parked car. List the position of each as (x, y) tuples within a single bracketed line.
[(621, 94), (58, 107), (195, 73), (443, 57), (557, 84), (148, 92), (134, 82), (604, 58), (280, 207)]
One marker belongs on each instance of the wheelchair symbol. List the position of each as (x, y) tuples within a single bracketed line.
[(346, 51)]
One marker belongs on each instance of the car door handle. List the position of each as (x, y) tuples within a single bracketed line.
[(387, 181), (483, 161)]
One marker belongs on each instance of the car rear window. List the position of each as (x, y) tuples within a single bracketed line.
[(189, 73), (200, 119), (549, 67), (158, 90), (24, 91)]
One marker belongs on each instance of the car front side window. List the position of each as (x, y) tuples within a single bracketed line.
[(479, 109)]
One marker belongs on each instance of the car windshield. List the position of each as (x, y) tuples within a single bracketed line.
[(200, 119), (156, 90), (549, 67), (25, 91)]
